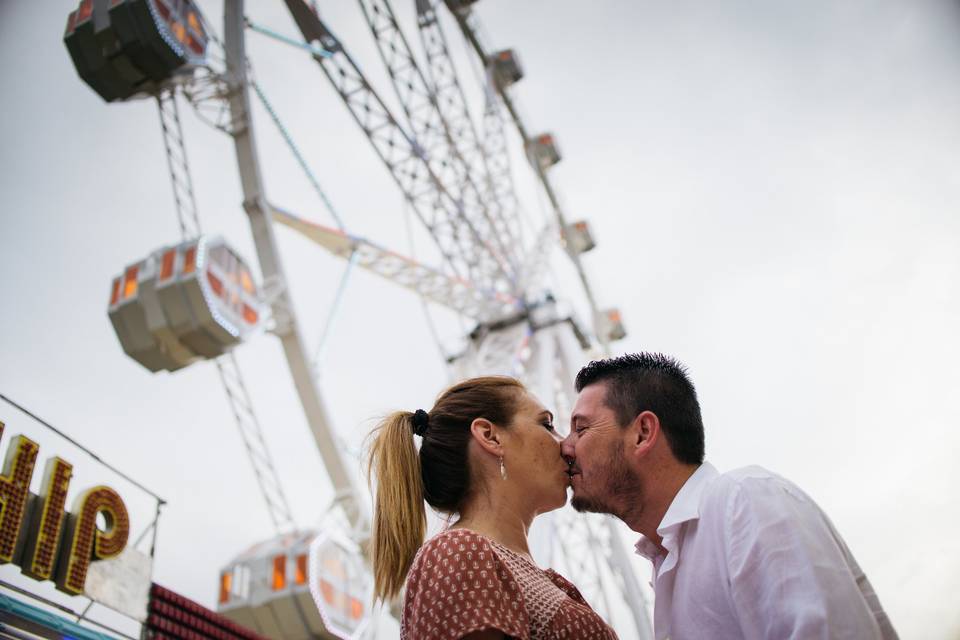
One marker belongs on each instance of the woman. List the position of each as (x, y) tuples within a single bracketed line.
[(490, 457)]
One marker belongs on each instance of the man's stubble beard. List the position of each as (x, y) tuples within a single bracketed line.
[(622, 487)]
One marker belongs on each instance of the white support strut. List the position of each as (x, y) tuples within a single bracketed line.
[(434, 285), (259, 213)]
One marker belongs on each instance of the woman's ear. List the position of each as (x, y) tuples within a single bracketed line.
[(487, 435)]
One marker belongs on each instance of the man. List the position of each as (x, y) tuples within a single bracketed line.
[(744, 554)]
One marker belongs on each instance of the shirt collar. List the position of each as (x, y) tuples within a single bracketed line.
[(684, 507)]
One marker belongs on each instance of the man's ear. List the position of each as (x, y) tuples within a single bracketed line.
[(487, 435), (643, 433)]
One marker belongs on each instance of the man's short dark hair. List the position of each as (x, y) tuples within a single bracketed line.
[(638, 382)]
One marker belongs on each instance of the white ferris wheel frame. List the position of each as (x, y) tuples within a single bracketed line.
[(541, 348)]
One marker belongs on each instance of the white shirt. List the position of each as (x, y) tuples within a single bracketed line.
[(749, 555)]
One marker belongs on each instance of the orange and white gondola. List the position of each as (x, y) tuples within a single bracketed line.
[(183, 303)]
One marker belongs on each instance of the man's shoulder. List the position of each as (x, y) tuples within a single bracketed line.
[(746, 484)]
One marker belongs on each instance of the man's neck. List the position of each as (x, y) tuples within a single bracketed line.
[(658, 494)]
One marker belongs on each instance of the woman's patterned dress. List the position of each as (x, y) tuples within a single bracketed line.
[(462, 582)]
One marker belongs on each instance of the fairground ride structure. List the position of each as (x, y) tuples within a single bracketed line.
[(197, 299)]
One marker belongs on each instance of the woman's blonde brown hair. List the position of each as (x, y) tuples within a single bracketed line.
[(438, 474)]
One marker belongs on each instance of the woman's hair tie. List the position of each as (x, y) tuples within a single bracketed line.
[(421, 420)]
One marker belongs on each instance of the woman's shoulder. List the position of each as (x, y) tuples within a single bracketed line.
[(452, 541), (453, 548), (577, 613), (566, 586), (458, 585), (458, 536)]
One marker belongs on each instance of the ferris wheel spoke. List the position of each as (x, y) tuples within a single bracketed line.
[(452, 104), (435, 286), (493, 145), (251, 433), (469, 26), (334, 310), (294, 149), (435, 133), (401, 153), (181, 180)]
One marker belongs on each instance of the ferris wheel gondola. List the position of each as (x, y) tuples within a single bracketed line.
[(189, 302), (543, 151), (130, 48), (299, 586), (506, 68)]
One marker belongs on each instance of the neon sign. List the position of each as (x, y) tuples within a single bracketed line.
[(36, 533)]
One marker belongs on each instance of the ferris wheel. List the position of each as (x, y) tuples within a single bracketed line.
[(449, 158)]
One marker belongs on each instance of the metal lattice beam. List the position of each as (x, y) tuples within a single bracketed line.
[(467, 22), (431, 125), (181, 181), (252, 435), (433, 285), (460, 242), (484, 157)]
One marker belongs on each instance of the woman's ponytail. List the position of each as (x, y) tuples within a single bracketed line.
[(400, 518)]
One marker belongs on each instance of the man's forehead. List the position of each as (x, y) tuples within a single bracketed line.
[(594, 393), (591, 399)]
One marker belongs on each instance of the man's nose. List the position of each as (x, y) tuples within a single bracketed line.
[(567, 447)]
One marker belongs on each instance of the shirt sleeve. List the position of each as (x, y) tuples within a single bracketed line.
[(790, 574), (457, 585)]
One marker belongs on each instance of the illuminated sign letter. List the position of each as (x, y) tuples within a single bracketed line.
[(85, 541), (45, 531), (14, 491)]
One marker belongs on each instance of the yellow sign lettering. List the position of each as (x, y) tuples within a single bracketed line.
[(43, 539), (36, 534), (14, 491), (86, 542)]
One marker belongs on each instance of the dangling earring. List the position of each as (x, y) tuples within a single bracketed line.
[(503, 469)]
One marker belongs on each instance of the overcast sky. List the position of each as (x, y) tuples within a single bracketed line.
[(772, 185)]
